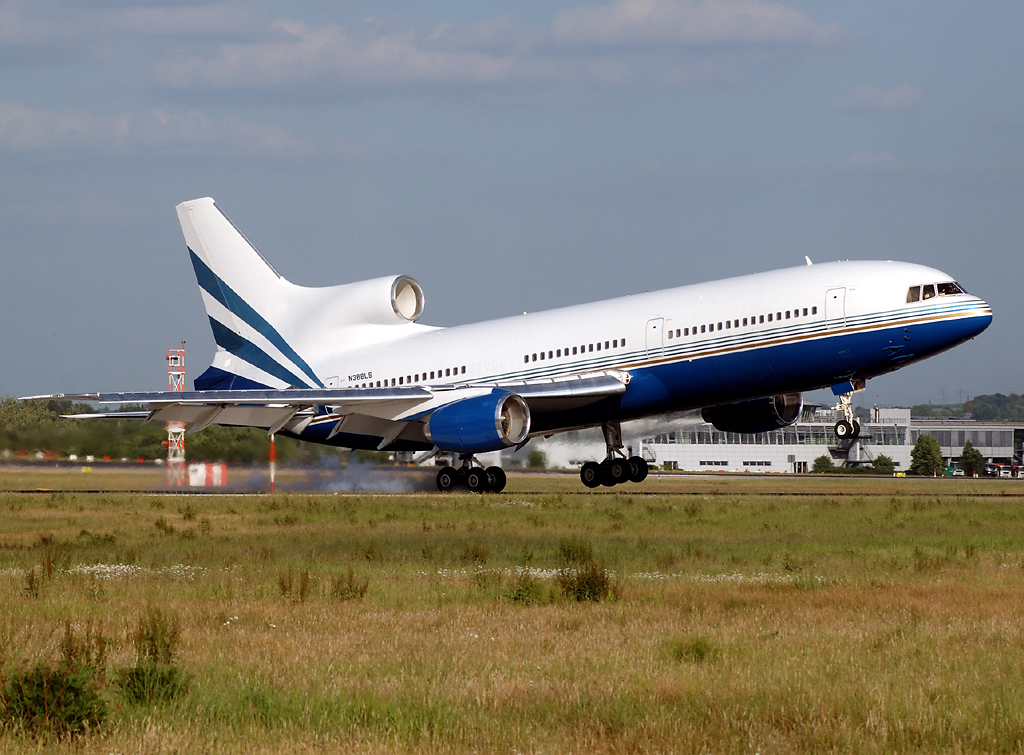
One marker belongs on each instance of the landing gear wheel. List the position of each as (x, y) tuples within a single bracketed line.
[(590, 474), (617, 471), (447, 479), (496, 479), (476, 480), (844, 429), (637, 469), (856, 429)]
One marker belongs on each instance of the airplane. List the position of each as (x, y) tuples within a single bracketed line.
[(350, 365)]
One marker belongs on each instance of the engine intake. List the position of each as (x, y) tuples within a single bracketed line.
[(484, 423), (391, 300), (756, 416), (407, 298)]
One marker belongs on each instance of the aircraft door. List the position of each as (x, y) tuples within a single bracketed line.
[(835, 308), (655, 337)]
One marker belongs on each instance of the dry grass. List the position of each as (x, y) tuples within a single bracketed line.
[(875, 622)]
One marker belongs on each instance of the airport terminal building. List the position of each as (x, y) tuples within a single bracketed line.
[(694, 445)]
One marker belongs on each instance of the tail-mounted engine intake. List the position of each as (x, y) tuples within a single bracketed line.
[(485, 423), (392, 300), (757, 416), (406, 298)]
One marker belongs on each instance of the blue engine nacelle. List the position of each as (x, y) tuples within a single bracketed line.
[(485, 423), (758, 416)]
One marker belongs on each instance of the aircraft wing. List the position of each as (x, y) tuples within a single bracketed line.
[(268, 409), (294, 409)]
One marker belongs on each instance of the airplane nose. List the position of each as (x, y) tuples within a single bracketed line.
[(983, 317)]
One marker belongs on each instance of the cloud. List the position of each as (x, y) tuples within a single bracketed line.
[(209, 18), (497, 35), (874, 162), (870, 97), (497, 54), (98, 23), (660, 22), (362, 55), (22, 25), (26, 129)]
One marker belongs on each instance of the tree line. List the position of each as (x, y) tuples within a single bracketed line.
[(994, 406), (37, 426)]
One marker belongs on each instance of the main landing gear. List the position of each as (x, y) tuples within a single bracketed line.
[(472, 476), (616, 468), (847, 428)]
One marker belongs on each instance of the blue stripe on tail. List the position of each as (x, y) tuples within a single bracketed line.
[(216, 379), (229, 340), (222, 292)]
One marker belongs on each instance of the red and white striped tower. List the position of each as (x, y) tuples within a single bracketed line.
[(273, 462), (176, 472)]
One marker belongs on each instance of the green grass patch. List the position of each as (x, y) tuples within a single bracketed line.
[(713, 615)]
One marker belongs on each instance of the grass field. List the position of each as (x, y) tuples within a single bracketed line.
[(742, 615)]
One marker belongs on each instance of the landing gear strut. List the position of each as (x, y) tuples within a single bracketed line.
[(848, 427), (471, 475), (616, 468)]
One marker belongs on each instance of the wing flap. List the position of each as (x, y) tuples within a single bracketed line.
[(201, 416)]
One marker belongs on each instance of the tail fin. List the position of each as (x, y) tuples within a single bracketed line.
[(243, 295)]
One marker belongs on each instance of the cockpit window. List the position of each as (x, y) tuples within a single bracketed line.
[(949, 288)]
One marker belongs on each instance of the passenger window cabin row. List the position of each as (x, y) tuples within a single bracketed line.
[(915, 293), (583, 349), (745, 322), (417, 378), (923, 293)]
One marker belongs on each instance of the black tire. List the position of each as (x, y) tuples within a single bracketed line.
[(606, 474), (496, 479), (638, 469), (476, 480), (618, 471), (856, 429), (590, 474), (843, 430), (447, 479)]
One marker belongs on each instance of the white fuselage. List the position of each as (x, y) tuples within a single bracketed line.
[(634, 332)]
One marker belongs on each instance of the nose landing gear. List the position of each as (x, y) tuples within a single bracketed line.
[(616, 468), (848, 427)]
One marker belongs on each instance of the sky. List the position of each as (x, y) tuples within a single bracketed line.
[(509, 156)]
